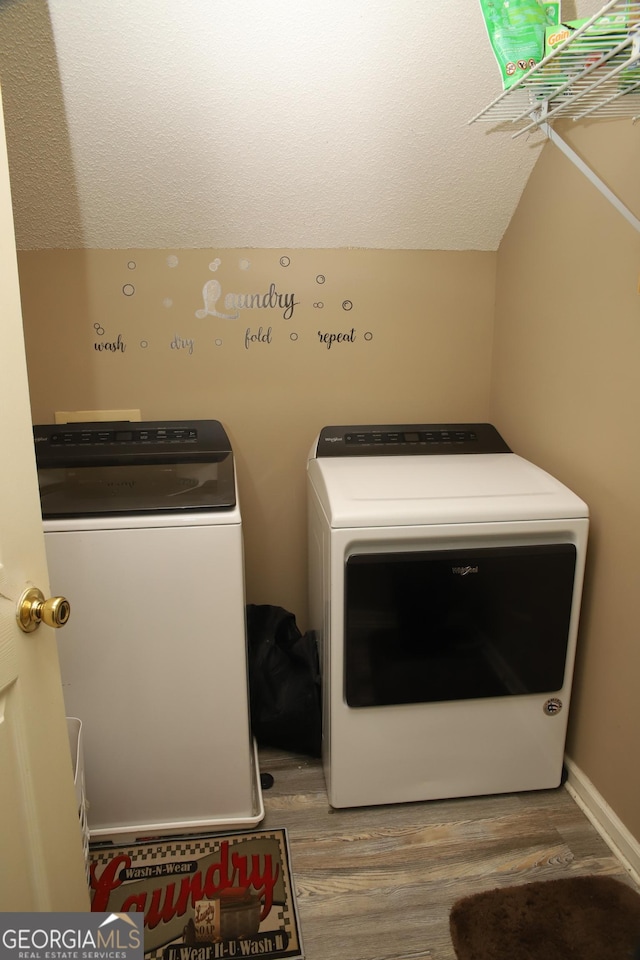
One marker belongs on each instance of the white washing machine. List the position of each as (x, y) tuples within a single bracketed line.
[(143, 535), (445, 579)]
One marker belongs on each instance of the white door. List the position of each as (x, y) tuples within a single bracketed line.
[(41, 853)]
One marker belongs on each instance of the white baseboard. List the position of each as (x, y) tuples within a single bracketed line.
[(607, 823)]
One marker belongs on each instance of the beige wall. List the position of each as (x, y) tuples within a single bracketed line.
[(419, 328), (565, 394)]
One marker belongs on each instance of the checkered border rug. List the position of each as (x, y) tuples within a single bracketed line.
[(107, 863)]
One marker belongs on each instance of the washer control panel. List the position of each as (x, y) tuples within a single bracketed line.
[(114, 443), (66, 436)]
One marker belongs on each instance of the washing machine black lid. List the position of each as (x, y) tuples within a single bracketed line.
[(423, 439), (92, 469)]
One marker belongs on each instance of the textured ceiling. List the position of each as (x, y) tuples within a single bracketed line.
[(256, 123)]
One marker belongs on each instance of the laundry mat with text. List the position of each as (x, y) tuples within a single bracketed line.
[(203, 898)]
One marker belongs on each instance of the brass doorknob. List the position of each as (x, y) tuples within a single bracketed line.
[(33, 610)]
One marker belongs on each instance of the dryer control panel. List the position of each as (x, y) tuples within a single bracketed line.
[(410, 439)]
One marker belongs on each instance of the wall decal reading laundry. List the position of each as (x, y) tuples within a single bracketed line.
[(260, 330), (272, 299)]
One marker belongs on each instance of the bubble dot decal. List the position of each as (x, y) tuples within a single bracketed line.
[(144, 344), (320, 278), (167, 302), (213, 266), (319, 305), (244, 264), (368, 335), (172, 261), (128, 289), (293, 336), (285, 261), (131, 265), (98, 329), (347, 305)]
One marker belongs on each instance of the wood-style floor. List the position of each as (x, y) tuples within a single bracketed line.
[(377, 883)]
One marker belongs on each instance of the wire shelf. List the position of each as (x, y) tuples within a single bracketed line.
[(594, 70)]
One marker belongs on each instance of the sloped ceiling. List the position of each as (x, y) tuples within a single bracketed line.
[(256, 123)]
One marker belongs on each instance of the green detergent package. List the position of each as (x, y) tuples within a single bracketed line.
[(516, 31), (592, 46)]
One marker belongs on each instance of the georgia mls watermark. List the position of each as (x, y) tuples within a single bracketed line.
[(71, 936)]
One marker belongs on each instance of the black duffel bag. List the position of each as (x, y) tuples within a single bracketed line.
[(284, 681)]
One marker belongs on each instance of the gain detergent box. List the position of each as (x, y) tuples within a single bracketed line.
[(610, 25), (591, 46)]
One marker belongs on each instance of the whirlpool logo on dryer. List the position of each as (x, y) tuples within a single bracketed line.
[(464, 571)]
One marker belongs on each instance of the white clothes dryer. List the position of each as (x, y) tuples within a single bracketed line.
[(143, 535), (445, 580)]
